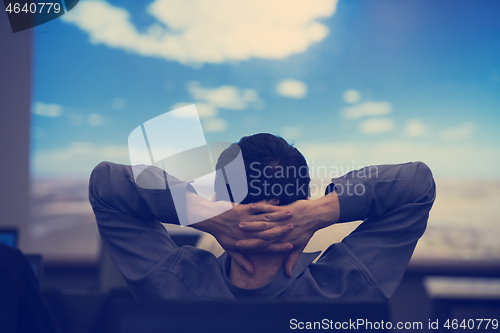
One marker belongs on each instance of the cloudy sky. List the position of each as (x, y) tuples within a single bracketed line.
[(351, 83)]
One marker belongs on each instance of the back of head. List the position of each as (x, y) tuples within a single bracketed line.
[(274, 169)]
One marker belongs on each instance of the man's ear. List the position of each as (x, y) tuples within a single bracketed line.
[(214, 197), (308, 198)]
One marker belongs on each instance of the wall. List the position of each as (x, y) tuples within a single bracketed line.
[(15, 101)]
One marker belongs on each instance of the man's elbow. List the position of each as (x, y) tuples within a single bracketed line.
[(98, 178), (424, 187)]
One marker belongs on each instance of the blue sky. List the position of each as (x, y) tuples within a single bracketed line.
[(349, 82)]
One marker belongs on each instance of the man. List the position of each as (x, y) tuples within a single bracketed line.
[(392, 200)]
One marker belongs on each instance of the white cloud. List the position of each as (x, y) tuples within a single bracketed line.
[(291, 88), (95, 119), (209, 100), (462, 132), (197, 31), (377, 126), (415, 128), (205, 110), (214, 125), (227, 97), (291, 133), (176, 114), (47, 110), (77, 158), (366, 109), (351, 96), (119, 103)]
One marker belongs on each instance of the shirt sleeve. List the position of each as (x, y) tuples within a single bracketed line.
[(394, 203), (128, 217)]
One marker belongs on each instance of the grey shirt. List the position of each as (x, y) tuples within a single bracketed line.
[(392, 200)]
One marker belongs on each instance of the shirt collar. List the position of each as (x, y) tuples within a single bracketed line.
[(278, 284)]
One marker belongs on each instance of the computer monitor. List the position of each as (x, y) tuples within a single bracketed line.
[(8, 236)]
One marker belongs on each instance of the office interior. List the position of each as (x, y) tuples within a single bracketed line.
[(80, 292)]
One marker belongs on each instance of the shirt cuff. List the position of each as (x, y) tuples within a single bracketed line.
[(353, 198)]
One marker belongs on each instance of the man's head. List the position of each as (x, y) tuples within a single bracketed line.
[(274, 169)]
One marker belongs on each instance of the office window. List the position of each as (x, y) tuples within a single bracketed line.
[(351, 83)]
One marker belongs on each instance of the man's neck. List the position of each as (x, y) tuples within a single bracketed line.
[(266, 267)]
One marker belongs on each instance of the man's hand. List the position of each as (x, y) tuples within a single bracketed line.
[(225, 228), (308, 217)]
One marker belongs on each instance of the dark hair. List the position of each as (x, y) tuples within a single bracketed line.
[(274, 169)]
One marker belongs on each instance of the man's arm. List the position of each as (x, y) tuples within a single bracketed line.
[(393, 201), (394, 207), (127, 215)]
